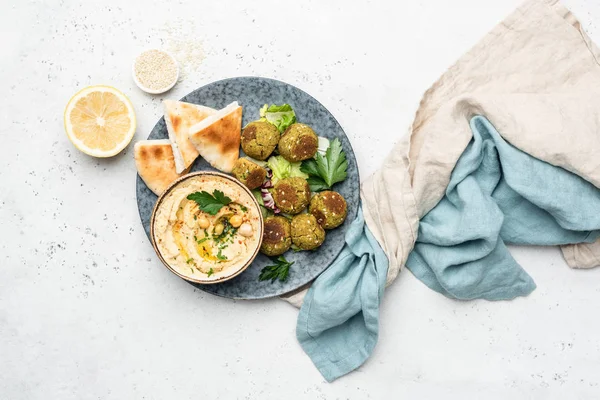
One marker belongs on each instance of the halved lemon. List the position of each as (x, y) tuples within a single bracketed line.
[(100, 121)]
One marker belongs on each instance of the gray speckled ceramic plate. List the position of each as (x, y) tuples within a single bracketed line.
[(252, 93)]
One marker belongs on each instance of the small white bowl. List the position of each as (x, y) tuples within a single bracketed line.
[(155, 91)]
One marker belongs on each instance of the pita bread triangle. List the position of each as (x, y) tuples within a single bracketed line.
[(155, 163), (179, 117), (217, 137)]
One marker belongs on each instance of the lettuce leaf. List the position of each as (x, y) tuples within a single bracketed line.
[(282, 169), (281, 116), (258, 197)]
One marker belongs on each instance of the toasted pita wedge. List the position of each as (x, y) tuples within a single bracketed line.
[(155, 163), (179, 117), (217, 138)]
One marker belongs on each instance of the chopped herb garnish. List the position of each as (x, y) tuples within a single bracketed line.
[(243, 208), (192, 269), (195, 217), (221, 256), (228, 230), (201, 240), (210, 203), (190, 260), (205, 233), (279, 271), (210, 272)]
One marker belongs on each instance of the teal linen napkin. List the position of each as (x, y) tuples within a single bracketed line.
[(338, 324), (499, 194)]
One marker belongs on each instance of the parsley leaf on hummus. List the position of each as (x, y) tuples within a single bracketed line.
[(210, 203)]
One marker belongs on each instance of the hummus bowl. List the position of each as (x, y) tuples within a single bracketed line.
[(206, 227)]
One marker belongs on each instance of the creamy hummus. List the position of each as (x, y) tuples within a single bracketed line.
[(200, 245)]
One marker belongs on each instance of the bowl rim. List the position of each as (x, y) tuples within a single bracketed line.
[(169, 189)]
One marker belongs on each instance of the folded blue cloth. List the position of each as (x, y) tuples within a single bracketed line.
[(338, 324), (499, 194)]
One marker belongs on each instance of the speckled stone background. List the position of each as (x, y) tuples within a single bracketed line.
[(85, 312), (252, 93)]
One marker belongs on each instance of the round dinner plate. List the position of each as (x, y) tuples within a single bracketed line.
[(252, 93)]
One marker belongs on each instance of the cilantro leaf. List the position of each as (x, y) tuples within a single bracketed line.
[(329, 169), (317, 184), (309, 167), (279, 271), (210, 203), (210, 272), (337, 165)]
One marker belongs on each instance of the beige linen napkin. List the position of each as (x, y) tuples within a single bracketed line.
[(536, 78)]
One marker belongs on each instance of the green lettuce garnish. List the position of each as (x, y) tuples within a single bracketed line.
[(282, 169), (281, 116)]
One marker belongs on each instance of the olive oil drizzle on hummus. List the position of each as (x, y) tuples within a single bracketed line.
[(210, 247)]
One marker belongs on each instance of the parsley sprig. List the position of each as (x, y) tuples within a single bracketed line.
[(210, 203), (325, 171), (279, 271)]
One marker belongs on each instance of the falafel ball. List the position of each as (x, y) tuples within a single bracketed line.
[(291, 195), (259, 139), (277, 237), (298, 142), (307, 234), (250, 174), (329, 208)]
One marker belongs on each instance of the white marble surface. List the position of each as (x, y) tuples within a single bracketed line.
[(86, 310)]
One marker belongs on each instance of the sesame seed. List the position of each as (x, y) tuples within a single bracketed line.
[(155, 69)]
